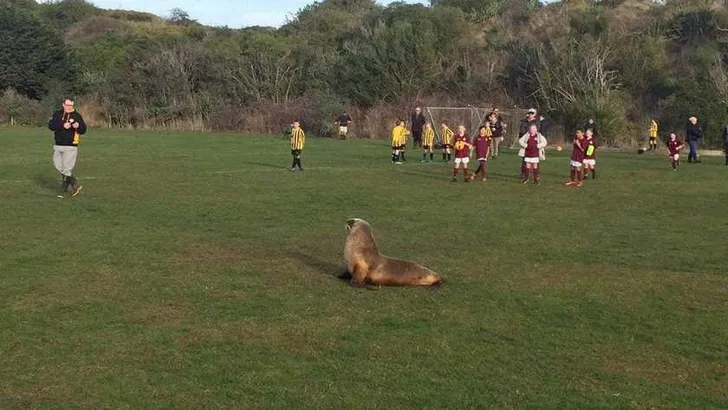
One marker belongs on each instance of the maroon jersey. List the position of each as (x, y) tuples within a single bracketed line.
[(590, 148), (482, 145), (532, 146), (464, 151), (673, 146), (577, 152)]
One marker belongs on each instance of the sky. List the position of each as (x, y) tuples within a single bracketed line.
[(231, 13)]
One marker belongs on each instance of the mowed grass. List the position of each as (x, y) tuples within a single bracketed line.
[(196, 271)]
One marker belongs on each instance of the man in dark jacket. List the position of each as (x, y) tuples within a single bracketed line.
[(67, 126), (418, 123), (694, 134), (526, 123)]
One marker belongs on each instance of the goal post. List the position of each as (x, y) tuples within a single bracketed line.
[(470, 117)]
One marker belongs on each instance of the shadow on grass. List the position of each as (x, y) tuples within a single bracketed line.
[(46, 182), (320, 265), (263, 164)]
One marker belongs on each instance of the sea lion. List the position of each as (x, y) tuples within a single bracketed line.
[(368, 267)]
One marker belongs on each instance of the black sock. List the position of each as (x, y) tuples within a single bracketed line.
[(424, 156), (293, 165), (449, 157), (594, 173), (432, 155), (402, 154)]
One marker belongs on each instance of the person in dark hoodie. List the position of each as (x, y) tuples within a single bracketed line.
[(694, 134), (67, 126), (591, 125), (418, 123)]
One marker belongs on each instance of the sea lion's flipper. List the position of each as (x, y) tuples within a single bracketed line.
[(358, 275)]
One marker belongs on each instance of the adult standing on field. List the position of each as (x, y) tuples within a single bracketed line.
[(344, 121), (694, 134), (725, 143), (418, 123), (67, 126), (496, 127), (591, 125)]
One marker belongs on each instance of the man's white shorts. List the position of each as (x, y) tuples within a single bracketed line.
[(343, 130), (575, 164), (532, 160), (463, 161), (590, 162), (676, 157)]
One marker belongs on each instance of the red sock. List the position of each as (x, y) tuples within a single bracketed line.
[(465, 170), (455, 172), (535, 174), (572, 175), (482, 172), (525, 174)]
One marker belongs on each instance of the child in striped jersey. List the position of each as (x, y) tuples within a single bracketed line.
[(399, 139), (446, 136), (298, 139), (428, 142)]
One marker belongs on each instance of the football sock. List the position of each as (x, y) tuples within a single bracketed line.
[(449, 156), (444, 156), (594, 173), (465, 170), (424, 156), (535, 174), (525, 174), (402, 155), (432, 155), (455, 172), (572, 175), (293, 165), (394, 156)]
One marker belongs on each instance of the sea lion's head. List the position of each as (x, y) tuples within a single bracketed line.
[(354, 222)]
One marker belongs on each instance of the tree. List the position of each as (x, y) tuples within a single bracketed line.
[(32, 55), (180, 17)]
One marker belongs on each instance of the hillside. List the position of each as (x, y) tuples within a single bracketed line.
[(621, 62)]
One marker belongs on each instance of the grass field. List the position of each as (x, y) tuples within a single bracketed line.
[(195, 271)]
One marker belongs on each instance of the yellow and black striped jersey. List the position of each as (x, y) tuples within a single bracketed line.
[(399, 136), (446, 135), (653, 130), (428, 137), (298, 138)]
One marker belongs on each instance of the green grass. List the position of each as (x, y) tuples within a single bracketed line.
[(195, 271)]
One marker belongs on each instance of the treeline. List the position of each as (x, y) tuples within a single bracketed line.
[(620, 62)]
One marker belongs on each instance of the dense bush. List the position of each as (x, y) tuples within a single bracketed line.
[(620, 62)]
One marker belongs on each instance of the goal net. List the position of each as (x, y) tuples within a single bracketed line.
[(469, 117)]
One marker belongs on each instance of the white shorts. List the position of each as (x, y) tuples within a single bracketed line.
[(590, 162), (675, 157), (482, 159), (343, 130), (463, 161), (532, 160), (575, 164)]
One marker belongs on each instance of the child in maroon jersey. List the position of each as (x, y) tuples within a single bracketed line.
[(590, 154), (674, 146), (577, 160), (531, 145), (462, 145), (482, 146)]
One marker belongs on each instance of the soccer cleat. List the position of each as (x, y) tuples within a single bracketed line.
[(484, 179), (77, 190), (61, 196), (454, 179), (525, 181), (570, 183), (536, 182), (578, 184)]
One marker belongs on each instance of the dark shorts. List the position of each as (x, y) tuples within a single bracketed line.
[(653, 139), (296, 152), (446, 146), (397, 147), (425, 147)]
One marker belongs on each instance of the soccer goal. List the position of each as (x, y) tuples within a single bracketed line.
[(470, 117)]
